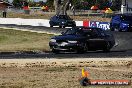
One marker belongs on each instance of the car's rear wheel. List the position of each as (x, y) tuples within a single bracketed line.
[(112, 29), (80, 51), (120, 30)]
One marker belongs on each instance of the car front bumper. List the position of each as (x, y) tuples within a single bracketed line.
[(65, 46), (70, 24)]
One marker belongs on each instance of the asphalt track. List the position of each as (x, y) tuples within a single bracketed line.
[(122, 49)]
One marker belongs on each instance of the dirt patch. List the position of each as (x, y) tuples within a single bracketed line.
[(54, 73)]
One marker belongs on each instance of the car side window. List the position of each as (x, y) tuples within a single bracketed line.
[(100, 32), (94, 33)]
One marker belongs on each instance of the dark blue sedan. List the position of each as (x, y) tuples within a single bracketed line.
[(82, 39)]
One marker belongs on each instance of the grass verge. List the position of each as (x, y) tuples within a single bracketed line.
[(15, 40)]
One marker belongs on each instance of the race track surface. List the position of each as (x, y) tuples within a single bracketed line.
[(48, 55), (122, 49)]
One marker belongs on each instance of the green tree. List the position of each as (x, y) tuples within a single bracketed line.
[(61, 6), (49, 3), (80, 4), (16, 3), (6, 0)]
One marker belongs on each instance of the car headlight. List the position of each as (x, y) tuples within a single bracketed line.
[(72, 41), (125, 24), (63, 22), (52, 40)]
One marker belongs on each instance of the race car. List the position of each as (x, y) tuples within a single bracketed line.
[(82, 39), (62, 21), (121, 22)]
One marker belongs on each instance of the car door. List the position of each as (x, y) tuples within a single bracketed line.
[(96, 40)]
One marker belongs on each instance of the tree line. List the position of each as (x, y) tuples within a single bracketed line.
[(61, 6)]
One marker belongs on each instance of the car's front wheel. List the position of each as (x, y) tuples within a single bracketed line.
[(83, 49), (107, 48), (114, 29), (74, 25), (55, 51), (51, 25), (62, 26)]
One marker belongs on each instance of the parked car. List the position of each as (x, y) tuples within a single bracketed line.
[(62, 21), (82, 39), (121, 22)]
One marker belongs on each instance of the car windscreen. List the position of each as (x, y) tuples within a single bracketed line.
[(70, 32), (53, 18), (91, 32), (82, 31)]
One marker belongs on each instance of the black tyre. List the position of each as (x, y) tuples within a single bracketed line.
[(107, 48), (120, 30), (83, 49), (114, 29), (55, 51), (62, 26), (80, 51), (74, 25), (129, 30), (51, 25)]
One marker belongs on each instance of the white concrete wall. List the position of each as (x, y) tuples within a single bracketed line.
[(45, 22), (20, 21), (129, 3), (124, 6), (32, 22)]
